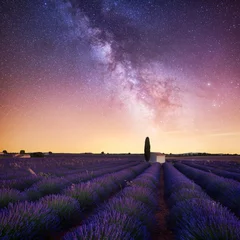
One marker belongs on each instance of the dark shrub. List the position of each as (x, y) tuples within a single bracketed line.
[(22, 151), (37, 154)]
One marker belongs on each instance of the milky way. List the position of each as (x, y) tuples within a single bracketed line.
[(86, 75)]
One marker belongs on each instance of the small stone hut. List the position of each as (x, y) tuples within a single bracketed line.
[(157, 157)]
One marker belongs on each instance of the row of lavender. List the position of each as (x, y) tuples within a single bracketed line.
[(224, 190), (215, 170), (193, 214), (45, 186), (231, 166), (36, 220), (128, 215)]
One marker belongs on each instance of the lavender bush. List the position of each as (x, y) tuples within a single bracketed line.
[(27, 220), (65, 207), (51, 185), (185, 194), (19, 184), (144, 182), (131, 207), (204, 219), (84, 194), (110, 225), (10, 195), (141, 194)]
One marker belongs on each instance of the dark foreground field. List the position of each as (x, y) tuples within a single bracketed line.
[(104, 196)]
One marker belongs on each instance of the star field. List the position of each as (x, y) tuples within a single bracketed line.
[(94, 75)]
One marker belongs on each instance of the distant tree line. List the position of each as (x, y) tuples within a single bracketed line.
[(33, 154)]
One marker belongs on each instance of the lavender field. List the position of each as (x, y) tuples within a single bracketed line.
[(118, 197)]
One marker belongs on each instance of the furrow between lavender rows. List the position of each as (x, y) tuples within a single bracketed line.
[(193, 214), (224, 190), (53, 213), (128, 215)]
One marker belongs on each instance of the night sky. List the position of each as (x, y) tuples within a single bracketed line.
[(101, 75)]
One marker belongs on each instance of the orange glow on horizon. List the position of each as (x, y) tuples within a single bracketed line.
[(96, 129)]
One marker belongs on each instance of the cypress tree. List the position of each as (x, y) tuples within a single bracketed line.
[(147, 151)]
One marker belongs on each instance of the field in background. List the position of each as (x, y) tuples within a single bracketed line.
[(206, 158)]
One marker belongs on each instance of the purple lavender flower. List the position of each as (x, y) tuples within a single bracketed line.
[(27, 220), (67, 208), (185, 194), (51, 185), (98, 232), (19, 184), (144, 195), (110, 224), (10, 195), (84, 194), (204, 219), (144, 182)]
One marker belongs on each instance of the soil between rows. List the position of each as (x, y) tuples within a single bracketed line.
[(162, 233)]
